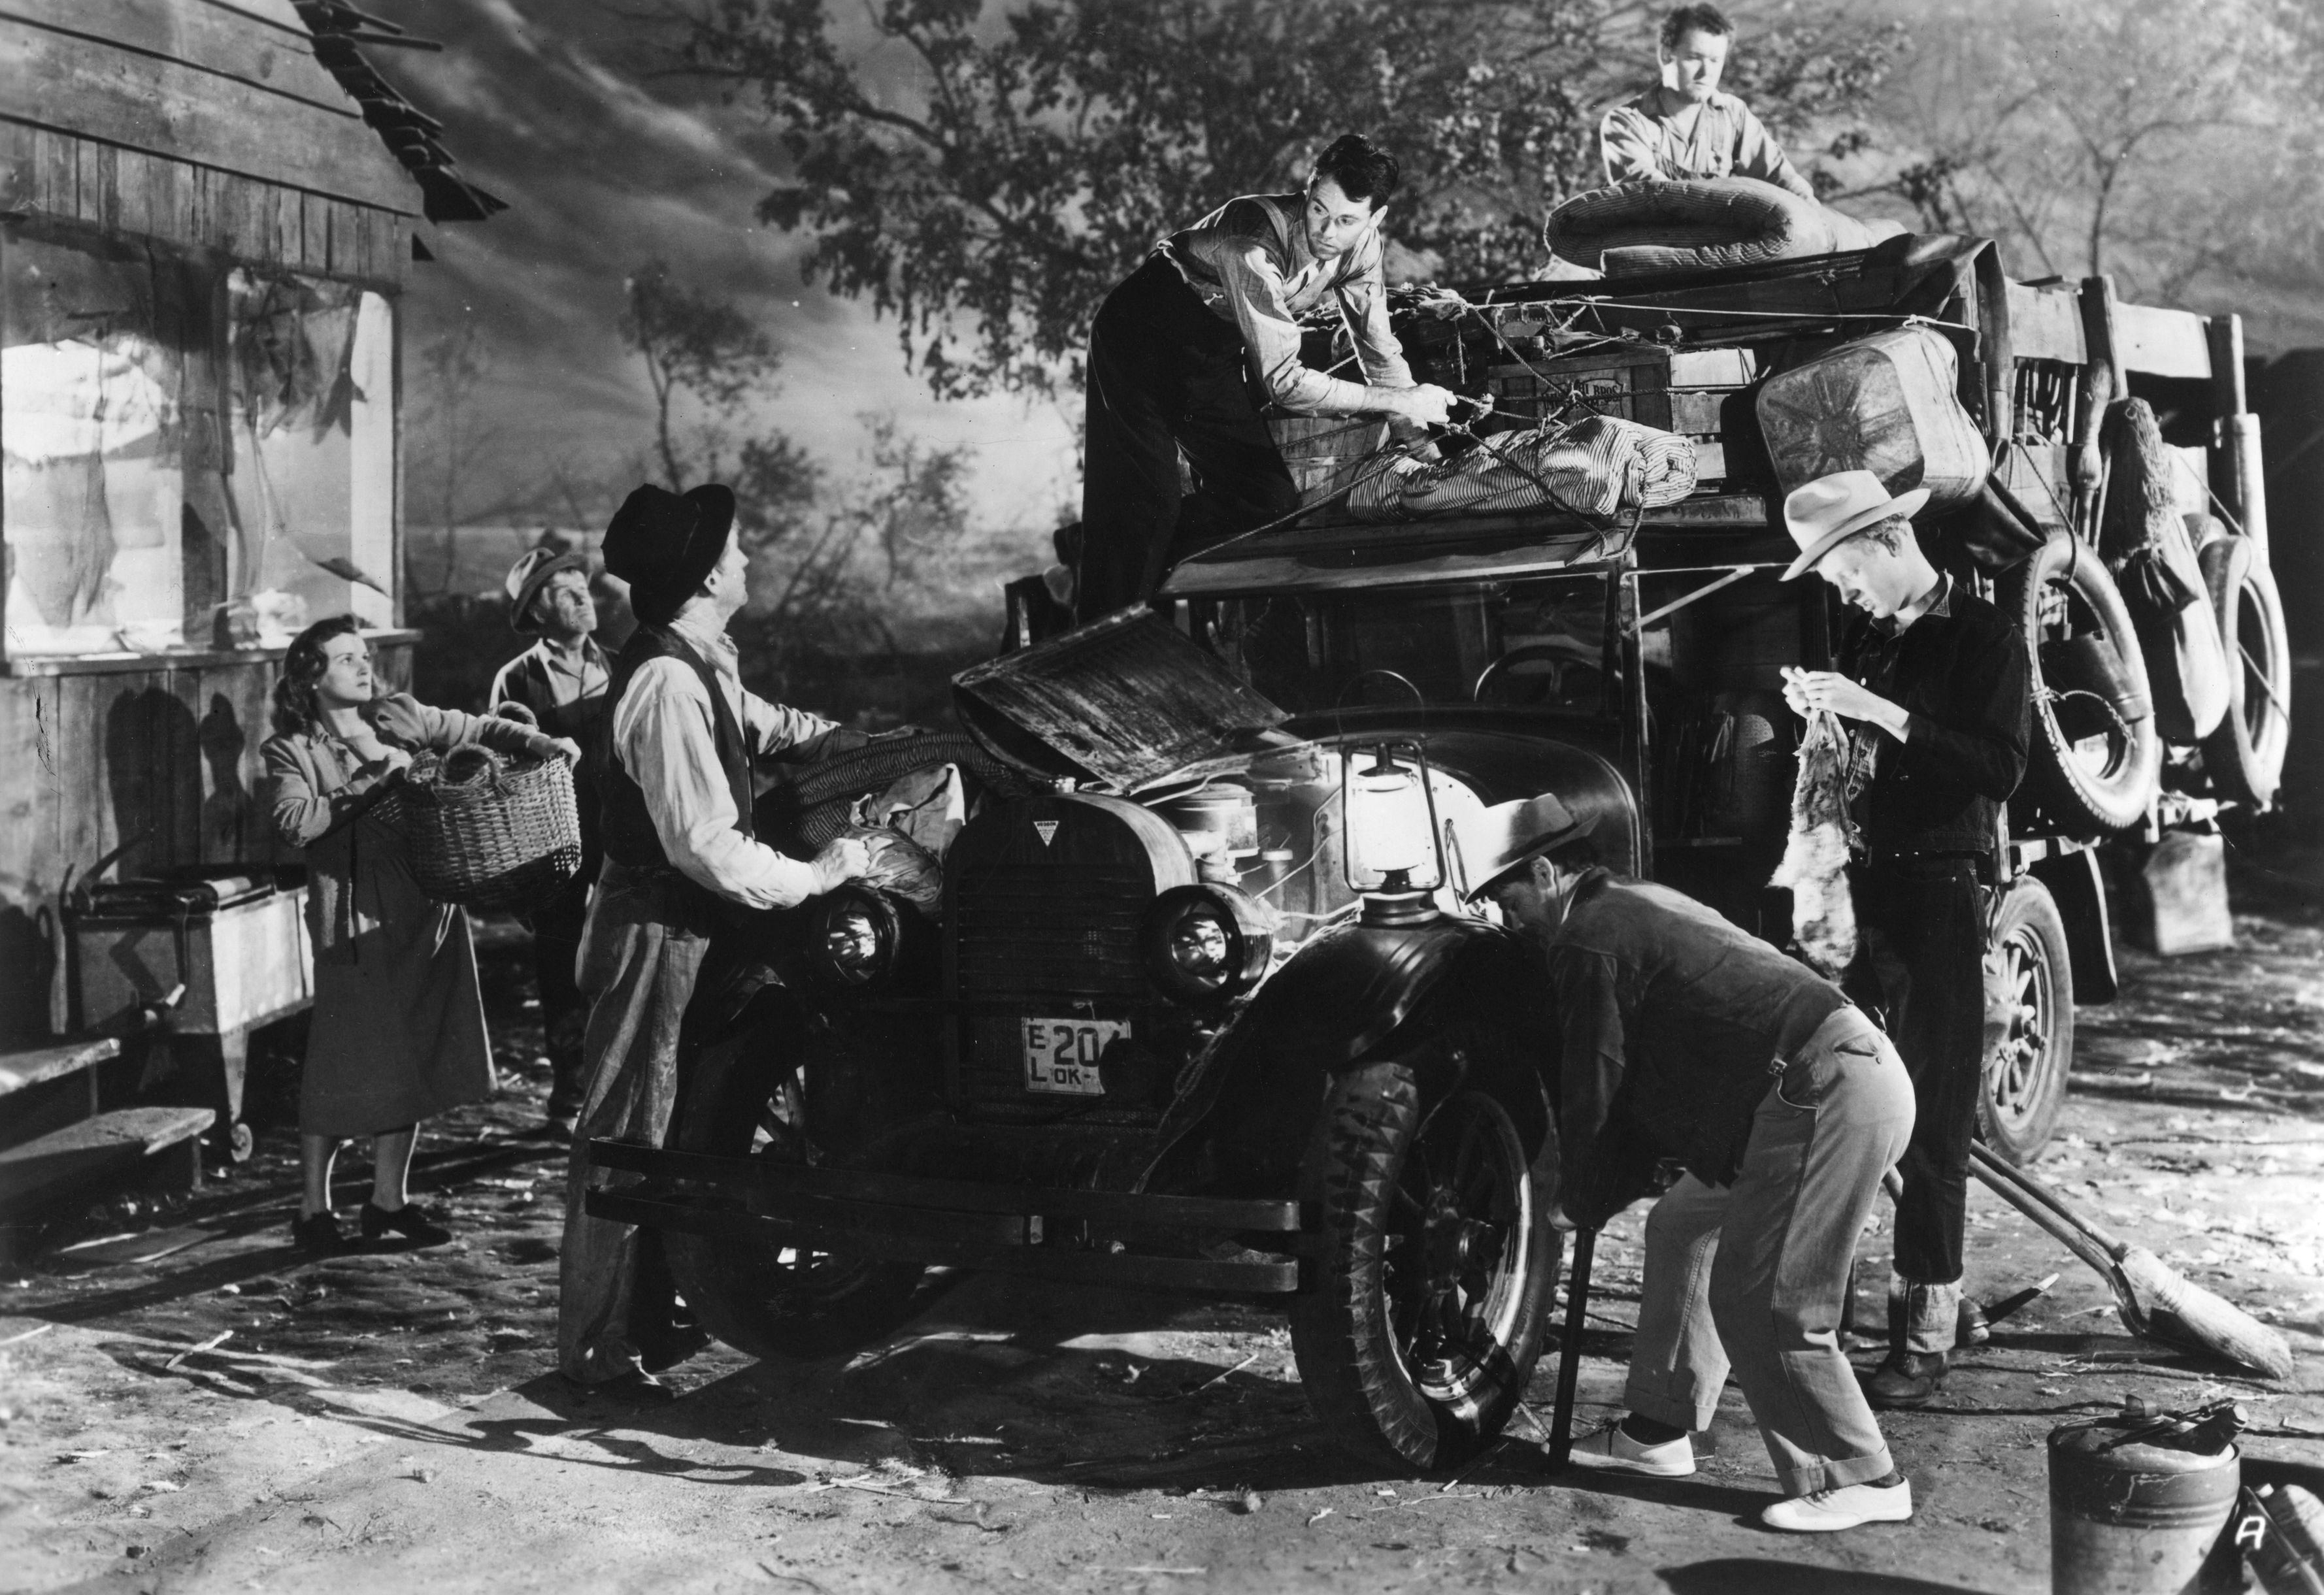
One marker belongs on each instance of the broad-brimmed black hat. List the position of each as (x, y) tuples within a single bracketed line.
[(665, 544)]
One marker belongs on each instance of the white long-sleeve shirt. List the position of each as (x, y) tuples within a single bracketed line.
[(663, 737)]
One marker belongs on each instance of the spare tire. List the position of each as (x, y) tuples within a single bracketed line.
[(2245, 756), (2097, 755)]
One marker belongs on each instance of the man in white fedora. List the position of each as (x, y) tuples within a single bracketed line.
[(1683, 1037), (1933, 682)]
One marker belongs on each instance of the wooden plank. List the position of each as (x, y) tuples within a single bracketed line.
[(225, 40), (21, 1069), (2161, 343), (57, 81), (106, 1146), (2046, 323)]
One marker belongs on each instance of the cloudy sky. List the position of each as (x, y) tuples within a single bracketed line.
[(552, 105)]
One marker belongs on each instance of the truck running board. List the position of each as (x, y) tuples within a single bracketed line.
[(958, 1223)]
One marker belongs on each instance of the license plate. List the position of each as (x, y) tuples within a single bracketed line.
[(1061, 1054)]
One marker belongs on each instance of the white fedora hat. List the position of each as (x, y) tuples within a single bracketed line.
[(1831, 509), (1509, 833)]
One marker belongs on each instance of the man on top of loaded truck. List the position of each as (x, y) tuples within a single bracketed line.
[(1933, 682), (1683, 128), (1177, 349)]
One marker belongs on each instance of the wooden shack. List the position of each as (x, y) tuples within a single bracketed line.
[(207, 212)]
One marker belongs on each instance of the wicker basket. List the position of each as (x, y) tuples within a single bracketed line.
[(488, 832)]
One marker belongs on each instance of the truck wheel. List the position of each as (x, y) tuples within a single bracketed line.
[(1419, 1328), (2097, 753), (2029, 1009), (2245, 756), (761, 1296)]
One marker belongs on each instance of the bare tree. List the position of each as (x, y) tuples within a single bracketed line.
[(452, 435), (700, 351), (2142, 137)]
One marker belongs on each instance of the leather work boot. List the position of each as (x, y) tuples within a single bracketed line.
[(1905, 1379)]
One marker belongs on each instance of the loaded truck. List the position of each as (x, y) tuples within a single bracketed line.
[(1201, 1006)]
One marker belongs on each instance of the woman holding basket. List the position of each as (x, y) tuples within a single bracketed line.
[(397, 1031)]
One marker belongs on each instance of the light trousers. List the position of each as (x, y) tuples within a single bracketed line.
[(1756, 1272), (638, 968)]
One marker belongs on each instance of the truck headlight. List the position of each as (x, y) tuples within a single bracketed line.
[(1206, 944), (853, 935)]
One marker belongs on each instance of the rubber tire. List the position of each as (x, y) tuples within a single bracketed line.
[(2245, 757), (2029, 1023), (1353, 1369), (734, 1286), (2071, 795)]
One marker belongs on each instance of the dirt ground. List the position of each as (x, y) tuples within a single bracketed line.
[(195, 1408)]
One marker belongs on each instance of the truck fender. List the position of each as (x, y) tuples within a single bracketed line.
[(1466, 997), (2074, 882)]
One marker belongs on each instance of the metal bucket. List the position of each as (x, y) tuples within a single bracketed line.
[(2131, 1518)]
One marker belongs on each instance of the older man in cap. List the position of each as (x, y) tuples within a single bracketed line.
[(1935, 685), (561, 680), (1684, 1037), (673, 778)]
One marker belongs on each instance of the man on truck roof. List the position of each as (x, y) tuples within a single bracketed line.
[(1186, 349), (1935, 685), (1683, 128)]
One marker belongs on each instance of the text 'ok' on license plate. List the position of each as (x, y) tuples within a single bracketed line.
[(1061, 1054)]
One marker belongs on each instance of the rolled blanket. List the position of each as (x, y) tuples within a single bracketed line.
[(1595, 466), (1635, 228)]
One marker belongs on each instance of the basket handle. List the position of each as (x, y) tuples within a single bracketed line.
[(471, 764), (509, 709)]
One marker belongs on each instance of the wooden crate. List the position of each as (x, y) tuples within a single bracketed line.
[(1326, 453), (1700, 393)]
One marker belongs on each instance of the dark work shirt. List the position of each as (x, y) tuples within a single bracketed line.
[(1669, 1017), (1960, 671)]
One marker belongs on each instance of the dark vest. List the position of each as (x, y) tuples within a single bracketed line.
[(624, 825)]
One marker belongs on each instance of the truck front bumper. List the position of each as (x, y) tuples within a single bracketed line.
[(1081, 1237)]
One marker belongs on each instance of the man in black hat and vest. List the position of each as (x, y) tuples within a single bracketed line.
[(1937, 688), (673, 778)]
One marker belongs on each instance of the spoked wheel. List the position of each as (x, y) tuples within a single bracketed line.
[(761, 1297), (1419, 1329), (2029, 1024)]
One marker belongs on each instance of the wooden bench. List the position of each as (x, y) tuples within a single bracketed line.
[(57, 1150)]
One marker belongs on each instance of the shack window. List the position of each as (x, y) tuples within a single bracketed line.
[(192, 457)]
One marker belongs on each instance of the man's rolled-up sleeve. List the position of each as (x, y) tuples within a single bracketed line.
[(662, 736), (1254, 290), (1363, 306)]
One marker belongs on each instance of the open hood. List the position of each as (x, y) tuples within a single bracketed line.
[(1126, 702)]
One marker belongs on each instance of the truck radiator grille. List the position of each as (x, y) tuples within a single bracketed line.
[(1028, 933)]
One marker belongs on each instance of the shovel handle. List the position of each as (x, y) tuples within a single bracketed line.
[(1993, 1168), (1569, 1351)]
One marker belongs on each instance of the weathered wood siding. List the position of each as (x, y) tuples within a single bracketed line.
[(98, 756), (201, 122)]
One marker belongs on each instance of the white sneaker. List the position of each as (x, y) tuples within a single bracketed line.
[(1826, 1510), (1610, 1449)]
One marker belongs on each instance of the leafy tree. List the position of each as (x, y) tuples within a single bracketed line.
[(988, 202)]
